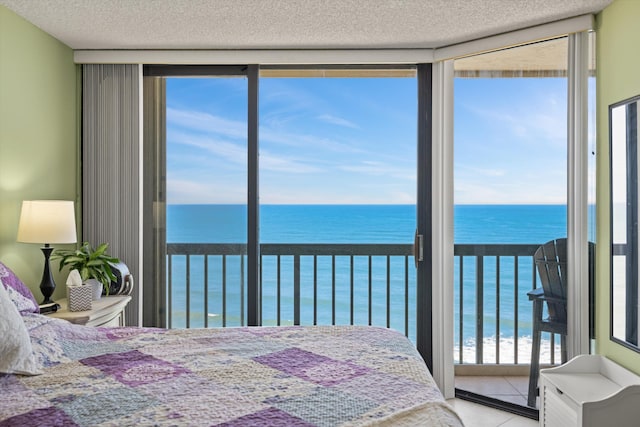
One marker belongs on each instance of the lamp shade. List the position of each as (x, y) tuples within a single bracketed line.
[(47, 221)]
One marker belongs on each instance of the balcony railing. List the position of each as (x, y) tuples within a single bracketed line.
[(368, 284)]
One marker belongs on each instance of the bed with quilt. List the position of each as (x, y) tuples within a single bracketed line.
[(65, 374)]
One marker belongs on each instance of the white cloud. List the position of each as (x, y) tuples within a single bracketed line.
[(185, 191), (327, 118), (381, 169), (199, 122), (469, 191), (489, 172), (539, 120), (195, 120), (229, 151), (270, 162), (237, 154)]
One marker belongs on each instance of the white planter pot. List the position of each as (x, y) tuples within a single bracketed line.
[(97, 288)]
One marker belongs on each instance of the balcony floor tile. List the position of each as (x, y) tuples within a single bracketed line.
[(487, 385), (509, 389)]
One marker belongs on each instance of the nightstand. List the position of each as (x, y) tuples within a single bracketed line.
[(107, 311), (589, 390)]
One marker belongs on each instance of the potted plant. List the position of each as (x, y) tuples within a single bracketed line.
[(91, 264)]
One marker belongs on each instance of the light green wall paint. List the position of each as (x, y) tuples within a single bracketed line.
[(618, 35), (38, 135)]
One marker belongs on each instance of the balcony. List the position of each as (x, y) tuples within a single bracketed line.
[(365, 284)]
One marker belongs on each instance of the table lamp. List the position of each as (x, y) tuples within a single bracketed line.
[(47, 221)]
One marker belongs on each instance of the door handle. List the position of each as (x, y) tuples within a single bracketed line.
[(418, 248)]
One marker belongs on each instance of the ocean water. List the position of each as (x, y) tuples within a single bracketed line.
[(382, 224), (361, 223)]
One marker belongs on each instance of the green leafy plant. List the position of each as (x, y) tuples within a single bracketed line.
[(90, 263)]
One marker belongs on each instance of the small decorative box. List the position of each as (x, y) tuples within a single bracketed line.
[(79, 297)]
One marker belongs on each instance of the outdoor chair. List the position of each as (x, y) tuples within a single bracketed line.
[(551, 264)]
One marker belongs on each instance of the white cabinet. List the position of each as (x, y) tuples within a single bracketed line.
[(589, 390)]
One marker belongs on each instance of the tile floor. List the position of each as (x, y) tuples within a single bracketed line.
[(509, 389), (474, 415)]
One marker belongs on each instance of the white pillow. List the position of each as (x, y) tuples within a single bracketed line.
[(16, 353)]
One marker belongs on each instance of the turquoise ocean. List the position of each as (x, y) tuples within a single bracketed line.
[(381, 224)]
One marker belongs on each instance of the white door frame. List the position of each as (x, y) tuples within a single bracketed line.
[(442, 226), (577, 211)]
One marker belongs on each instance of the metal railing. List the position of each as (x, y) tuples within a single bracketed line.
[(497, 276), (372, 284)]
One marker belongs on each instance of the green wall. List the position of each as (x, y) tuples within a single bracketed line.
[(618, 34), (38, 135)]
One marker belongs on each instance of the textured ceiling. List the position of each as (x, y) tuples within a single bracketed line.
[(287, 24)]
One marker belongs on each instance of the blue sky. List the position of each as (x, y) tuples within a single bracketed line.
[(510, 141), (334, 140)]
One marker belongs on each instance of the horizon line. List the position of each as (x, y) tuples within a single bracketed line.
[(367, 204)]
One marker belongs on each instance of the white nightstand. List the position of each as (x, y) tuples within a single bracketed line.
[(589, 390), (107, 311)]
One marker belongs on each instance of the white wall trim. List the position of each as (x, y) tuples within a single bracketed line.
[(442, 228), (262, 57), (577, 196)]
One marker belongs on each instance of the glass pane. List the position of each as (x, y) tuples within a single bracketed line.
[(206, 200), (624, 217), (619, 175), (591, 176), (510, 169), (619, 296), (619, 224), (337, 192), (592, 136)]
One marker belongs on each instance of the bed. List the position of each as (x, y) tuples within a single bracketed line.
[(245, 376)]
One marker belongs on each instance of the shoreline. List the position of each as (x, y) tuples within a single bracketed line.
[(506, 350)]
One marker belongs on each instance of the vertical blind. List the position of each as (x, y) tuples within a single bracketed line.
[(111, 166)]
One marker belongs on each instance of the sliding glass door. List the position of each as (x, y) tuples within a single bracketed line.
[(338, 197), (510, 198), (342, 178)]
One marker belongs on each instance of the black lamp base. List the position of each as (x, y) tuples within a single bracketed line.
[(47, 284)]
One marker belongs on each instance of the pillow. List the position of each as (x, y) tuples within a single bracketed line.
[(18, 292), (16, 353)]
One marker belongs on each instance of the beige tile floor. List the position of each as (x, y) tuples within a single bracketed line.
[(510, 389), (474, 415)]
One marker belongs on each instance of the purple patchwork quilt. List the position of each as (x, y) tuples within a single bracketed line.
[(268, 376)]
